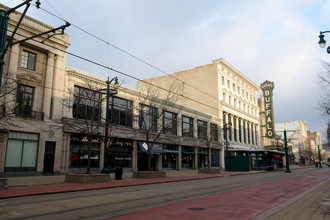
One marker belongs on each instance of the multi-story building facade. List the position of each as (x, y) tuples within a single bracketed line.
[(46, 102), (223, 92), (32, 84), (181, 144)]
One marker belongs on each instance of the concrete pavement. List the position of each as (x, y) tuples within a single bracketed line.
[(308, 201)]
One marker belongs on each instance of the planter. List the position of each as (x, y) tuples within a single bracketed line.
[(86, 178), (209, 170), (149, 174), (3, 183)]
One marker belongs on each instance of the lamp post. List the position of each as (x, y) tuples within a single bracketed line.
[(286, 153), (109, 92), (322, 42), (226, 126), (318, 146)]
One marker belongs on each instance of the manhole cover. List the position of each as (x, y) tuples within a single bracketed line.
[(196, 209)]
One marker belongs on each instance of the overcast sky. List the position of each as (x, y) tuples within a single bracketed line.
[(264, 40)]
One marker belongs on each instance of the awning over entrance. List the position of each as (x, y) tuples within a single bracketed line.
[(171, 151), (265, 152), (155, 149)]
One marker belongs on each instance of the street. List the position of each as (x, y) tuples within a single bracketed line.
[(112, 202)]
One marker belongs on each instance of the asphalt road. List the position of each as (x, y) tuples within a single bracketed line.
[(105, 203)]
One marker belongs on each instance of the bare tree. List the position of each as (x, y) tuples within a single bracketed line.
[(85, 102), (156, 103), (324, 84), (8, 97)]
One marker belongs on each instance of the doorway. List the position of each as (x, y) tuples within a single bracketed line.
[(49, 158)]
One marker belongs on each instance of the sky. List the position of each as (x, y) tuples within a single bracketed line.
[(274, 40)]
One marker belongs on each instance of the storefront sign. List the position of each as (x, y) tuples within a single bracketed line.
[(267, 89)]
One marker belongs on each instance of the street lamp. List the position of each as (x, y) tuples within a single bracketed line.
[(322, 42), (318, 146), (226, 127), (286, 153), (109, 92)]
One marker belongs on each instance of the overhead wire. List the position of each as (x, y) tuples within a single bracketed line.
[(117, 71), (127, 53)]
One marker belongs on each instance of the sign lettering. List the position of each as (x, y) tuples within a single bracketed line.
[(267, 89)]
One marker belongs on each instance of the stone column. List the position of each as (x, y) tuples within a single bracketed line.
[(222, 158), (10, 99), (179, 162), (135, 156), (196, 159), (48, 86), (195, 130)]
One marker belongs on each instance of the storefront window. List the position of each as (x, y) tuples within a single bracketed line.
[(188, 156), (170, 156), (22, 151), (79, 151), (214, 158), (120, 153), (202, 158)]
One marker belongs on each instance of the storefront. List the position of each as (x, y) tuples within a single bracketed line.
[(156, 151), (79, 153), (202, 157), (120, 153), (214, 158), (188, 157), (22, 153), (170, 157)]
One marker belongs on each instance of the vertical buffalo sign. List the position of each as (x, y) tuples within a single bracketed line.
[(267, 89)]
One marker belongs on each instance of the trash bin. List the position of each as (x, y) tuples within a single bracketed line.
[(118, 173)]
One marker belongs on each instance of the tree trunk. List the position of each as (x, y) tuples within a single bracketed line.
[(89, 154)]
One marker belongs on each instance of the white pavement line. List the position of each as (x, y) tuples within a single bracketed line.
[(285, 204)]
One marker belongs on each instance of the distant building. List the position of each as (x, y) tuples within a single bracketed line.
[(296, 137)]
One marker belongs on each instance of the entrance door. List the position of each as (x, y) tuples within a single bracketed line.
[(49, 158)]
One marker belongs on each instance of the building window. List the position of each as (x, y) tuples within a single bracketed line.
[(223, 80), (228, 84), (214, 132), (229, 100), (148, 118), (121, 112), (187, 127), (86, 104), (22, 152), (238, 90), (24, 101), (202, 129), (243, 93), (28, 60), (247, 95), (170, 123)]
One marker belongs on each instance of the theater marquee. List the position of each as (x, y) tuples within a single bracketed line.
[(267, 89)]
